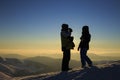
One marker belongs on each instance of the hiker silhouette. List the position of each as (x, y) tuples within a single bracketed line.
[(84, 46), (67, 44)]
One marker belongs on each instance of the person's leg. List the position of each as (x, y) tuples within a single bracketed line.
[(68, 58), (87, 59), (65, 60), (82, 55)]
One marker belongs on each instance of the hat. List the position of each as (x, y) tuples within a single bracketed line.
[(64, 26)]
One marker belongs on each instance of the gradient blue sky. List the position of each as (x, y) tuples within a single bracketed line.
[(34, 25)]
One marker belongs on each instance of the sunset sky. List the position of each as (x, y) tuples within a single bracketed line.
[(33, 27)]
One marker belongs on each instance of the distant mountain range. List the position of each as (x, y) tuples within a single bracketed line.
[(12, 55), (96, 57), (17, 67), (12, 65), (74, 56)]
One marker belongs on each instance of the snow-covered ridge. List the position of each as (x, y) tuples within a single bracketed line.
[(108, 71)]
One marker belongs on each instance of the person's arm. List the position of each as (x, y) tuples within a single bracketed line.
[(65, 34), (78, 47)]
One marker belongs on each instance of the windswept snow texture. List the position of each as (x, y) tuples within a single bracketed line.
[(108, 71)]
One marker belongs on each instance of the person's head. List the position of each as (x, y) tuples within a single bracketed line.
[(70, 30), (64, 27), (85, 29)]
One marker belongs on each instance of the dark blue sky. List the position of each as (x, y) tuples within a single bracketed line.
[(37, 22)]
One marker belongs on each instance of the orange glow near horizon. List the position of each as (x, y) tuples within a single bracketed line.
[(36, 52), (51, 47), (29, 52)]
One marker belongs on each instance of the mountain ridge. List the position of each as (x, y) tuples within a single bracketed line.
[(109, 71)]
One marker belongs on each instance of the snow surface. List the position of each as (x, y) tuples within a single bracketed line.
[(4, 76), (108, 71)]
